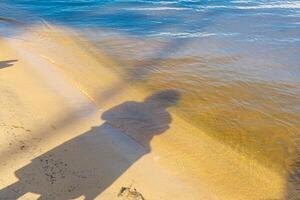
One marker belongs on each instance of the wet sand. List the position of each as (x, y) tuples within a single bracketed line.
[(55, 90)]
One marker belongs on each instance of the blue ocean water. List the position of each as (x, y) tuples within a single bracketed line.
[(245, 26), (255, 19)]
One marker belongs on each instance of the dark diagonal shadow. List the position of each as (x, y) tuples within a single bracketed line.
[(7, 63), (3, 19), (89, 163), (293, 181)]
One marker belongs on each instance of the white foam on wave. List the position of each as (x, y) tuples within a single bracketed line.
[(192, 1), (242, 1), (159, 2), (190, 35), (286, 5), (183, 34), (292, 5), (155, 8)]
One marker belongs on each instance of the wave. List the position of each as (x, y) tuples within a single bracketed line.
[(183, 34), (191, 35), (155, 8), (287, 5), (158, 2)]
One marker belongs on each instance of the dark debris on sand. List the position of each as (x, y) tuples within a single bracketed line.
[(128, 193)]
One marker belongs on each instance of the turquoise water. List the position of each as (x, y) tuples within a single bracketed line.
[(173, 18), (235, 62), (268, 30)]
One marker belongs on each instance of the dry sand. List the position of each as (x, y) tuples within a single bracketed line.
[(54, 144)]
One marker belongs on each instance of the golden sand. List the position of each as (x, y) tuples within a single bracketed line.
[(56, 92)]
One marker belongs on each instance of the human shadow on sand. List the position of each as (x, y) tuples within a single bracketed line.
[(7, 63), (88, 164)]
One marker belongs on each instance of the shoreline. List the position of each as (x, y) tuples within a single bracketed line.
[(62, 71)]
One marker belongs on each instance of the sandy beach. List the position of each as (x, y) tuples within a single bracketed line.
[(72, 128)]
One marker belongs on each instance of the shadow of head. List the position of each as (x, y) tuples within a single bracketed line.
[(163, 99), (7, 63), (143, 120)]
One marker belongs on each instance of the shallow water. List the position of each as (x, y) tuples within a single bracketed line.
[(235, 62)]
